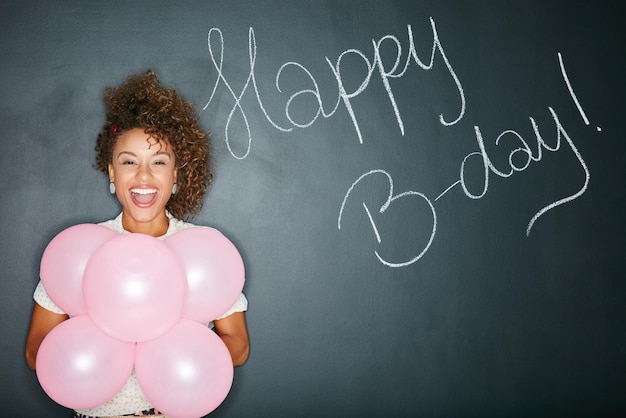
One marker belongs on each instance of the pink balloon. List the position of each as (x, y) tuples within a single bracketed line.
[(80, 367), (185, 373), (215, 271), (63, 263), (134, 287)]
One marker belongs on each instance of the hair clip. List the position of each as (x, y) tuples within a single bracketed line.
[(114, 128)]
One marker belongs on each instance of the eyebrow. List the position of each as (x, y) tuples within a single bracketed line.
[(132, 154)]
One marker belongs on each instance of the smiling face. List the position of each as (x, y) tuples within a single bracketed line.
[(143, 171)]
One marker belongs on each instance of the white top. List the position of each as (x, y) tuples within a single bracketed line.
[(130, 398)]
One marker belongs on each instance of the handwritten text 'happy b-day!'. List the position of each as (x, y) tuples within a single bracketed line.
[(519, 158)]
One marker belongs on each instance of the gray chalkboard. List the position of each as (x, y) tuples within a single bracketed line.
[(427, 194)]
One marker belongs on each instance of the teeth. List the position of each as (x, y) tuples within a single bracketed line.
[(143, 191)]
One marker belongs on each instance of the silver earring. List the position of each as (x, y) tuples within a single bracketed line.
[(112, 187), (174, 188)]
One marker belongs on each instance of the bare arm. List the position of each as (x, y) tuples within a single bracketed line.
[(234, 332), (41, 323)]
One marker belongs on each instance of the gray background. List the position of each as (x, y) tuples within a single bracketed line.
[(489, 322)]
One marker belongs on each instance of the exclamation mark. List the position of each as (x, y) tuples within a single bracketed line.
[(571, 92)]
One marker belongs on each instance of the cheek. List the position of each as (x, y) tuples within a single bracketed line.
[(167, 178), (121, 176)]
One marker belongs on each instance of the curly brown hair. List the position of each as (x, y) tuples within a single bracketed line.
[(141, 102)]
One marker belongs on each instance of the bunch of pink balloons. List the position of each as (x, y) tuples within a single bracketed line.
[(137, 301)]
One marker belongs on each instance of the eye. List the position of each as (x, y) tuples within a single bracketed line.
[(128, 162), (159, 162)]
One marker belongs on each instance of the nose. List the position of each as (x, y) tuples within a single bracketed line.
[(144, 173)]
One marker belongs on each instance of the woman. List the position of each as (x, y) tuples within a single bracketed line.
[(157, 160)]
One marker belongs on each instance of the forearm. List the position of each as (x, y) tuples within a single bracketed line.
[(234, 333), (42, 322), (237, 348)]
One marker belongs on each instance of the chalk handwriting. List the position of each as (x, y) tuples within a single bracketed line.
[(515, 164), (343, 96), (519, 158), (528, 156), (571, 92), (391, 198), (237, 106)]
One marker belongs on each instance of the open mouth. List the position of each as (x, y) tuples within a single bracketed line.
[(143, 196)]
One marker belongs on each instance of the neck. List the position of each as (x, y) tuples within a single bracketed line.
[(156, 227)]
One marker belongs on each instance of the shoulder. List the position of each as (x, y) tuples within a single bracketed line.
[(178, 225), (114, 224)]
